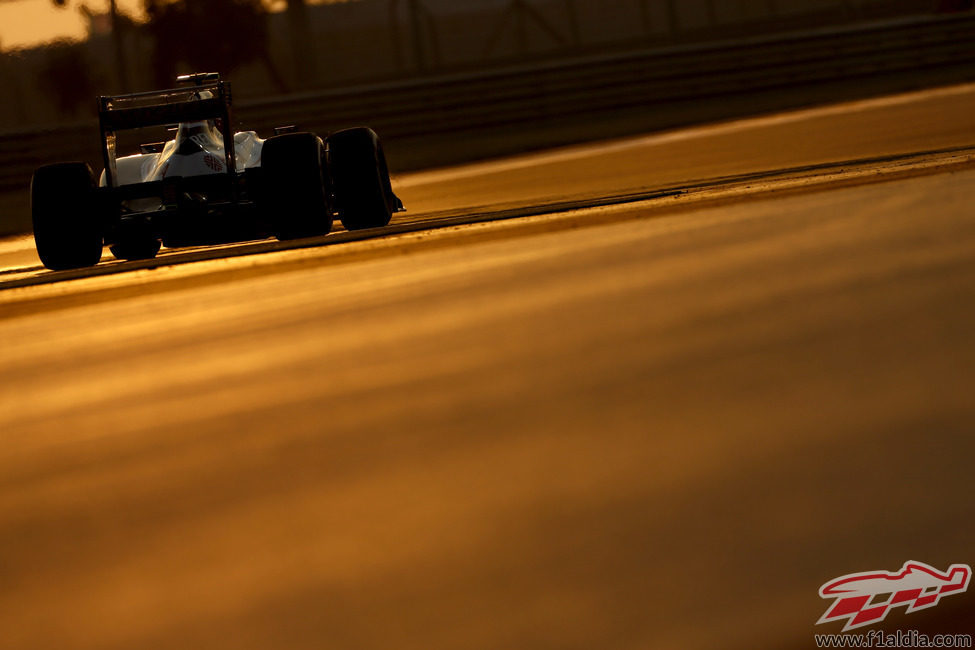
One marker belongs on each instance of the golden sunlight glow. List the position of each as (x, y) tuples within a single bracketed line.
[(27, 23)]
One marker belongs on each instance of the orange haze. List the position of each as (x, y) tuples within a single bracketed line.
[(26, 23)]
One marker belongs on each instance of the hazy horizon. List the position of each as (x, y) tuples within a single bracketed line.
[(30, 23)]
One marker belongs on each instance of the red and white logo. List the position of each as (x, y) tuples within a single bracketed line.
[(866, 598), (213, 163)]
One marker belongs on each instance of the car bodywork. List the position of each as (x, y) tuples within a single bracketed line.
[(192, 189), (209, 184)]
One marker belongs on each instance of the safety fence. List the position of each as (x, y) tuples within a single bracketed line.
[(458, 107)]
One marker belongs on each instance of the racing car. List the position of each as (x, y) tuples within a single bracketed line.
[(206, 185)]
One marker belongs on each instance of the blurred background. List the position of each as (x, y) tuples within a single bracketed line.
[(446, 81), (662, 432)]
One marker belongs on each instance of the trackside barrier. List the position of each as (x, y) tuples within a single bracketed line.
[(455, 105)]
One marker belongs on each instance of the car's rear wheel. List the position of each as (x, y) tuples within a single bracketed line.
[(67, 228), (357, 165), (294, 197)]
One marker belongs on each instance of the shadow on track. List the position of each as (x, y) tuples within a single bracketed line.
[(857, 171)]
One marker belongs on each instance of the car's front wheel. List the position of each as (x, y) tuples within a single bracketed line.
[(67, 228), (357, 164)]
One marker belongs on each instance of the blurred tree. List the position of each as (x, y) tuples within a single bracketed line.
[(520, 14), (123, 76), (208, 35), (303, 52), (954, 5), (67, 78), (423, 30), (11, 84), (118, 22), (672, 18)]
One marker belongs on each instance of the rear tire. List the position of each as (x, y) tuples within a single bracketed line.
[(294, 198), (357, 165), (67, 228)]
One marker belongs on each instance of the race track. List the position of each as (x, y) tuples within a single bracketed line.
[(642, 394)]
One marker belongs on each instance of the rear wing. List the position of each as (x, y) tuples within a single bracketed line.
[(208, 98)]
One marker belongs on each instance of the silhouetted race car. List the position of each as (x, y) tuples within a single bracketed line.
[(207, 185)]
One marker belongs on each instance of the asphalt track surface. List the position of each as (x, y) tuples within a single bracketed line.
[(654, 395)]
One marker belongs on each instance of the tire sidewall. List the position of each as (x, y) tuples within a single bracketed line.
[(360, 179), (67, 230)]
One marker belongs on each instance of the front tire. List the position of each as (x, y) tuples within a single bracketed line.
[(294, 197), (67, 229), (357, 164)]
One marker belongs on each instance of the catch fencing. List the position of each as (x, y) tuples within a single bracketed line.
[(456, 108)]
